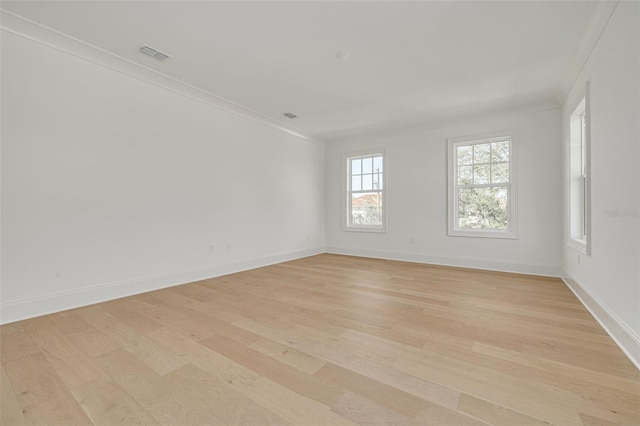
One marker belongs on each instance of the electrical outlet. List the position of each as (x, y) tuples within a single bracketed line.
[(212, 248), (229, 246), (412, 239)]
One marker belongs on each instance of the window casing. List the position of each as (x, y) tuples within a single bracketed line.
[(366, 187), (579, 179), (482, 187)]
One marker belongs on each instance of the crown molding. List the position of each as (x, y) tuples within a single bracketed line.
[(46, 36), (597, 23)]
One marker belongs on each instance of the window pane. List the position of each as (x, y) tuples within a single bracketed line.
[(367, 182), (578, 224), (367, 165), (500, 173), (377, 164), (482, 153), (465, 154), (377, 181), (583, 141), (366, 209), (482, 208), (481, 174), (356, 166), (465, 175), (499, 151), (356, 183)]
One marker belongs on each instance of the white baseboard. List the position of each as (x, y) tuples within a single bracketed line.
[(56, 302), (624, 336), (547, 270)]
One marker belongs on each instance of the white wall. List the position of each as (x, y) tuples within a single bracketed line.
[(417, 196), (112, 185), (608, 281)]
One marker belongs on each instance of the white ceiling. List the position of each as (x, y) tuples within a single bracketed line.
[(410, 62)]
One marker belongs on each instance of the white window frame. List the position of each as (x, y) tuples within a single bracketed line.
[(579, 167), (512, 200), (347, 225)]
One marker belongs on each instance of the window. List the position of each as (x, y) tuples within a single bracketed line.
[(482, 196), (579, 137), (365, 193)]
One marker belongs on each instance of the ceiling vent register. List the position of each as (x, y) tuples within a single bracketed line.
[(155, 54)]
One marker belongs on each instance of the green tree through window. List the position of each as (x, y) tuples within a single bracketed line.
[(481, 187)]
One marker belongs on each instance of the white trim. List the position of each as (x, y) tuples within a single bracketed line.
[(486, 264), (61, 301), (622, 335), (346, 173), (581, 245), (46, 36), (364, 228), (597, 23), (512, 219), (578, 245)]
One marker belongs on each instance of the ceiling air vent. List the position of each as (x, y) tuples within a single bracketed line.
[(155, 54), (290, 115)]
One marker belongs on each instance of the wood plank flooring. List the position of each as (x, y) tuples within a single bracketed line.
[(325, 340)]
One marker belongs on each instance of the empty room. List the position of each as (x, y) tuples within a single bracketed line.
[(320, 213)]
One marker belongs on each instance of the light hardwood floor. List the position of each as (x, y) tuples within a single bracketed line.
[(327, 340)]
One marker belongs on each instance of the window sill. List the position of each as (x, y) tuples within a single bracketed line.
[(484, 234), (578, 245), (363, 229)]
